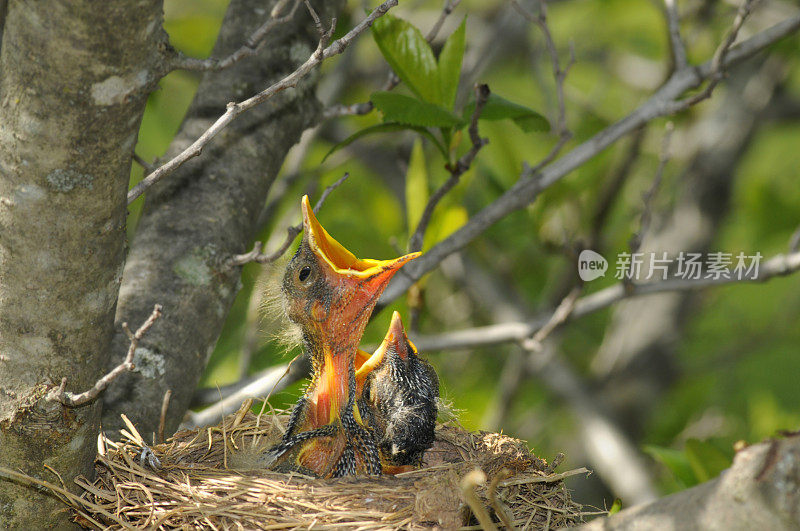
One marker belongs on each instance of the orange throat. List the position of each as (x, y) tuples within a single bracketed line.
[(330, 389)]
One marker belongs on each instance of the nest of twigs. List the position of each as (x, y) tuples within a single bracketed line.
[(469, 481)]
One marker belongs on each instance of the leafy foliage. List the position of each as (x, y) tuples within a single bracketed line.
[(411, 111), (435, 85), (499, 108)]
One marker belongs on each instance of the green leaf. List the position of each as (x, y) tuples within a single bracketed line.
[(409, 55), (706, 460), (498, 108), (385, 128), (407, 110), (615, 507), (450, 64), (416, 185), (445, 223), (676, 462)]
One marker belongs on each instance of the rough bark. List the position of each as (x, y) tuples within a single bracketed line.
[(636, 359), (74, 77), (3, 6), (206, 211), (760, 491)]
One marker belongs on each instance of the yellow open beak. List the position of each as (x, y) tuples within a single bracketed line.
[(339, 259), (395, 338)]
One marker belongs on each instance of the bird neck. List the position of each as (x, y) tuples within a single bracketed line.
[(329, 392)]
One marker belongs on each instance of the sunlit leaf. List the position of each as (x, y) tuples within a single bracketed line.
[(615, 507), (416, 185), (499, 108), (450, 64), (385, 128), (445, 224), (409, 55), (408, 110)]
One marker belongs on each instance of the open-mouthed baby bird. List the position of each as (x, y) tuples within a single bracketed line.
[(397, 394), (330, 294)]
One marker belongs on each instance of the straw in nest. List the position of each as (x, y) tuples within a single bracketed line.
[(470, 480)]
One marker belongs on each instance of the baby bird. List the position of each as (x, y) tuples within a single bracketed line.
[(330, 294), (398, 393)]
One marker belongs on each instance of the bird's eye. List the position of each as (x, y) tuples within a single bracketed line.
[(305, 272)]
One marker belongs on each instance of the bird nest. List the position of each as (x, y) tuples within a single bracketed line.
[(206, 479)]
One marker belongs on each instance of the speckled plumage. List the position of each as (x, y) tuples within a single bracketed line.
[(330, 294), (399, 398)]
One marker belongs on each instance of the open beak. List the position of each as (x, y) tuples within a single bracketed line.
[(356, 285), (395, 341), (370, 274)]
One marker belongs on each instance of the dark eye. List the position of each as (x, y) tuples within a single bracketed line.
[(305, 272)]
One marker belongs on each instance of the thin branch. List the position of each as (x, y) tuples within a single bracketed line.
[(251, 46), (614, 185), (647, 210), (484, 336), (673, 27), (558, 317), (148, 168), (356, 109), (462, 165), (532, 182), (257, 254), (273, 379), (559, 74), (74, 400), (449, 7), (235, 109), (718, 61)]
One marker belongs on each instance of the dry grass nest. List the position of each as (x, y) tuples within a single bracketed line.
[(469, 481)]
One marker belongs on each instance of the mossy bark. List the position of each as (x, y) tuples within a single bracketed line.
[(208, 210), (74, 77)]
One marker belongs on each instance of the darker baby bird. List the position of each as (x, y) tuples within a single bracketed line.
[(398, 398), (330, 294)]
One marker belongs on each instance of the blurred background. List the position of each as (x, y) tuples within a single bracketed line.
[(651, 393)]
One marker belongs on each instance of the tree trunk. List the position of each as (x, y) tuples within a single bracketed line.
[(205, 212), (74, 78)]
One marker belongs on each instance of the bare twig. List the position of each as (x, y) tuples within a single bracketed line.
[(272, 379), (235, 109), (559, 316), (647, 209), (74, 400), (794, 241), (143, 163), (532, 182), (718, 62), (676, 43), (356, 109), (449, 6), (462, 165), (259, 255), (614, 185), (251, 46), (779, 265), (559, 74)]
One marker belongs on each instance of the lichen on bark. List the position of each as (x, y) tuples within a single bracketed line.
[(64, 169)]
